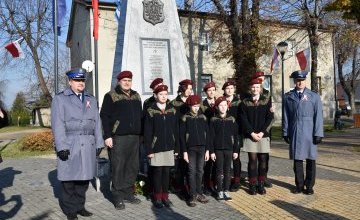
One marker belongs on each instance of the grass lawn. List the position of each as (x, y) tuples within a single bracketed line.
[(16, 128), (13, 150)]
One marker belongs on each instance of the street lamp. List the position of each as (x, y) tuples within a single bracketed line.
[(282, 47), (203, 46)]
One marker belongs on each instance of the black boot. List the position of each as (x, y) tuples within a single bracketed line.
[(261, 188), (252, 189), (298, 189)]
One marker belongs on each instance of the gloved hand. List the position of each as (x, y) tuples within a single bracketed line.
[(286, 139), (317, 140), (63, 154), (98, 151)]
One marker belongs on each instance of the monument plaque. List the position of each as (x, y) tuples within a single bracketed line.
[(155, 62)]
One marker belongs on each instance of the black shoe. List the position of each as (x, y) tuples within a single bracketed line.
[(119, 205), (191, 202), (309, 191), (267, 183), (132, 200), (158, 204), (298, 190), (252, 189), (261, 188), (71, 216), (167, 203), (84, 213), (235, 187)]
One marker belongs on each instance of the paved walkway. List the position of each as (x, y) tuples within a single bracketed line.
[(29, 190)]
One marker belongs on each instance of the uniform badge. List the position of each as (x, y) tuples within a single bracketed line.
[(305, 98), (88, 104)]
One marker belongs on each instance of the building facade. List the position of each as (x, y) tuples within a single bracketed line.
[(202, 48)]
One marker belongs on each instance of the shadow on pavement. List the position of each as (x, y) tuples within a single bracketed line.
[(167, 213), (305, 213), (54, 182), (282, 184), (42, 216), (7, 177)]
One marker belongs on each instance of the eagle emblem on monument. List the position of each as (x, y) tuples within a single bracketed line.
[(153, 11)]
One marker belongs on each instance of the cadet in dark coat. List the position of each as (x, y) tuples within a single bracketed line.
[(209, 109), (77, 131), (265, 93), (185, 90), (223, 146), (256, 120), (234, 102), (303, 130), (161, 138), (193, 132), (121, 115)]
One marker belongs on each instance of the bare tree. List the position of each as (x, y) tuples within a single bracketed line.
[(347, 41), (31, 20), (242, 21)]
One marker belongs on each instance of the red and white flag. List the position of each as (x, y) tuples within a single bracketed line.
[(274, 60), (15, 49), (95, 5), (304, 59)]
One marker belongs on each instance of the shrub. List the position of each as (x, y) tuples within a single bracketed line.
[(42, 141)]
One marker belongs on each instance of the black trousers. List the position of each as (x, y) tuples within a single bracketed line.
[(209, 174), (196, 169), (124, 159), (310, 173), (237, 164), (223, 165), (161, 178), (72, 196)]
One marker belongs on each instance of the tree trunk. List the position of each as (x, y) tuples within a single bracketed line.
[(346, 86), (314, 46)]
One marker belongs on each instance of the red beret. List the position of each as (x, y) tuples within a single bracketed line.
[(258, 74), (255, 81), (156, 82), (220, 100), (160, 89), (124, 74), (209, 85), (228, 83), (193, 100), (185, 82)]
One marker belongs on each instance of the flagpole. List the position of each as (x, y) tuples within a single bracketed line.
[(56, 61), (96, 70)]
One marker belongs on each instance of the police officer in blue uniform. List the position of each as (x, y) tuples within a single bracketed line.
[(303, 130), (77, 131)]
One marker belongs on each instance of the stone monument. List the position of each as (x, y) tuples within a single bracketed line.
[(150, 44)]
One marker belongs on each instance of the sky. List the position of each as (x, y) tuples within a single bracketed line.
[(15, 81)]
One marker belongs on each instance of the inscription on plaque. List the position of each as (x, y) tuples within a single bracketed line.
[(156, 62), (153, 11)]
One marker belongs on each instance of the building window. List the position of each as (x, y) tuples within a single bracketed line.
[(204, 41)]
